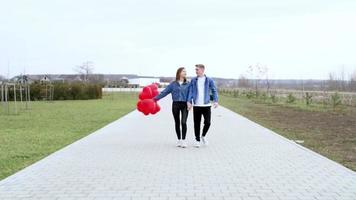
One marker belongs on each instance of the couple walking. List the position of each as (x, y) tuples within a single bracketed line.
[(196, 94)]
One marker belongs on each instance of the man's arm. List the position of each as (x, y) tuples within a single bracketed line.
[(190, 96), (214, 91)]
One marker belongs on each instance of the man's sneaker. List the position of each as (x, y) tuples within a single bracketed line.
[(204, 141), (179, 143), (184, 144), (197, 144)]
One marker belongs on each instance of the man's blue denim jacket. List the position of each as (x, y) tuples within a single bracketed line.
[(179, 91), (210, 91)]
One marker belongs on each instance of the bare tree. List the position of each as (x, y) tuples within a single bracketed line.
[(264, 73), (353, 82), (342, 80), (243, 82), (96, 78), (332, 82), (254, 76), (85, 70), (337, 81), (258, 73)]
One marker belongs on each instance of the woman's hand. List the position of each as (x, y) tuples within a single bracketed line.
[(189, 106)]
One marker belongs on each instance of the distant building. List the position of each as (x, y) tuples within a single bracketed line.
[(45, 79), (164, 84), (142, 81)]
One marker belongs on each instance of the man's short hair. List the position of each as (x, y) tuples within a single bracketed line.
[(201, 66)]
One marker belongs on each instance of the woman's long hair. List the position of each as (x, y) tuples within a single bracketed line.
[(179, 71)]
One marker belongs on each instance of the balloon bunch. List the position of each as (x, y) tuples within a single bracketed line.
[(146, 104)]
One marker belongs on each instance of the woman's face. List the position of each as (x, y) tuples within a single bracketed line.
[(183, 74)]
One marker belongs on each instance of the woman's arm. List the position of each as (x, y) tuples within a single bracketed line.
[(164, 93), (189, 96)]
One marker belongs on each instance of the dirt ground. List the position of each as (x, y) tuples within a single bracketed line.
[(332, 134)]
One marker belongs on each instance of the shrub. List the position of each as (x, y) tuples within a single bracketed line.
[(236, 93), (257, 93), (67, 91), (250, 94), (291, 98), (274, 98), (308, 98), (335, 100), (263, 96)]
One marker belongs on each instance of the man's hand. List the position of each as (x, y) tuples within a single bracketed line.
[(189, 106), (216, 104)]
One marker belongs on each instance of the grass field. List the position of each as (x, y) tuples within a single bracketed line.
[(49, 126), (324, 130)]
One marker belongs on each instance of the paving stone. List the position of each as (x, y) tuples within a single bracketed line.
[(135, 158)]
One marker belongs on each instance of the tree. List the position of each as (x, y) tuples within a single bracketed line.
[(308, 98), (332, 82), (243, 82), (257, 73), (264, 72), (335, 100), (337, 81), (291, 98), (342, 80), (353, 82), (96, 78), (85, 70)]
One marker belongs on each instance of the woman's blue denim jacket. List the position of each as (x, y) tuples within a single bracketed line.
[(179, 91)]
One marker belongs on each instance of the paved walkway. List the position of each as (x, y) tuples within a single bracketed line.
[(135, 158)]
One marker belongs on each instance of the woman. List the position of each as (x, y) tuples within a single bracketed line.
[(179, 90)]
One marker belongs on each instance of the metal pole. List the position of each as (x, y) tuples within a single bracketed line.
[(2, 93), (29, 94), (25, 90), (15, 98), (2, 97), (46, 92), (52, 92), (21, 96), (6, 98)]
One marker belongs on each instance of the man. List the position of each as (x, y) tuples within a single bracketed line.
[(202, 91)]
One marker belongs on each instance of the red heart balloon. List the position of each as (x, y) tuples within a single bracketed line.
[(155, 93), (139, 106), (153, 86), (146, 104), (156, 109), (146, 93), (154, 89)]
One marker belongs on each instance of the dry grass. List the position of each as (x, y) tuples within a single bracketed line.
[(330, 133)]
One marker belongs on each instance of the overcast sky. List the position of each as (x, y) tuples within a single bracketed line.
[(293, 38)]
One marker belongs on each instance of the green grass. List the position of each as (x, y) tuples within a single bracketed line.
[(49, 126), (329, 132)]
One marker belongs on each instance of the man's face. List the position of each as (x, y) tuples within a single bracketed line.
[(199, 71)]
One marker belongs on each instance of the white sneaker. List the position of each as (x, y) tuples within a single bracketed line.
[(197, 144), (184, 144), (179, 143), (204, 141)]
